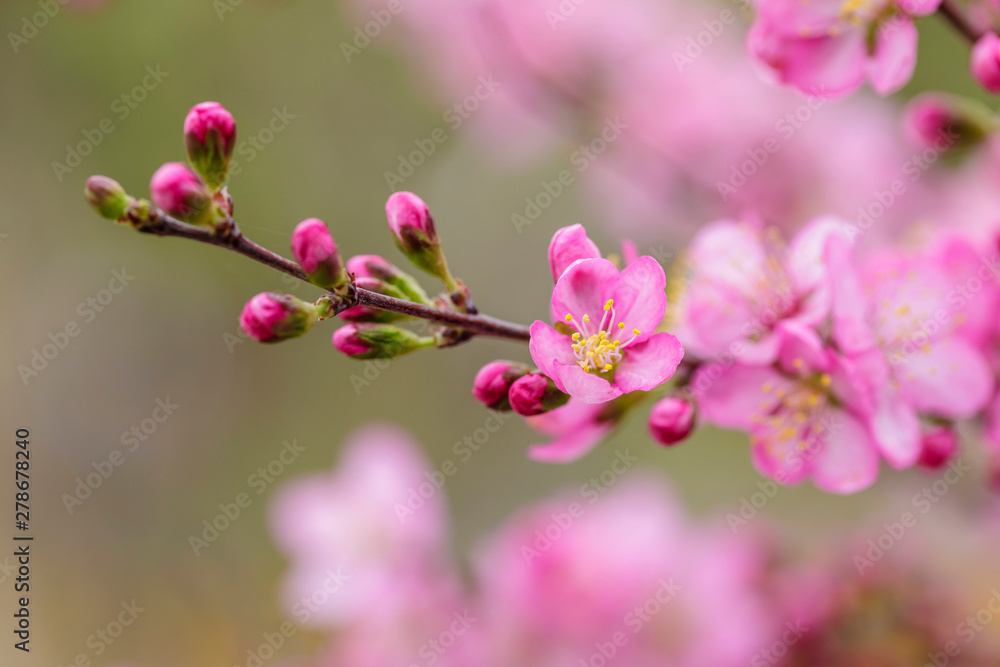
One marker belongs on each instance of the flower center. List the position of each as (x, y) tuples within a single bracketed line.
[(597, 346), (789, 416)]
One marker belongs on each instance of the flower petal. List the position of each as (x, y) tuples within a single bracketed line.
[(731, 396), (588, 387), (847, 461), (640, 296), (895, 57), (896, 430), (647, 365), (582, 289), (949, 378), (547, 346), (568, 245)]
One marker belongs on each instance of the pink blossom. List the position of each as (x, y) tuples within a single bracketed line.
[(938, 447), (671, 420), (576, 428), (616, 352), (210, 137), (179, 191), (985, 62), (316, 252), (408, 214), (270, 318), (830, 47), (493, 381), (534, 394), (568, 245)]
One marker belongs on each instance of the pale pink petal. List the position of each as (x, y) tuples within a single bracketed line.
[(851, 306), (948, 378), (847, 461), (588, 387), (918, 7), (547, 346), (647, 365), (640, 298), (895, 57), (731, 396), (582, 290), (568, 245), (896, 430)]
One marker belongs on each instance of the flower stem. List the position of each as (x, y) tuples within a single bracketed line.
[(228, 235), (951, 12)]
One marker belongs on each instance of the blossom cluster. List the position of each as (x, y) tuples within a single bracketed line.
[(613, 575)]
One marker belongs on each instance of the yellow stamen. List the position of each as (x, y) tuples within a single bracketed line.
[(569, 317), (621, 325)]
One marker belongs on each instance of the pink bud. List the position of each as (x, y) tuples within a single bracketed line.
[(316, 252), (671, 420), (377, 341), (371, 266), (407, 212), (366, 314), (181, 194), (568, 245), (985, 62), (210, 137), (107, 197), (347, 341), (927, 119), (938, 447), (493, 382), (270, 318), (535, 394)]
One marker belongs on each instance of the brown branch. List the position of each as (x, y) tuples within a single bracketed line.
[(951, 12), (228, 235)]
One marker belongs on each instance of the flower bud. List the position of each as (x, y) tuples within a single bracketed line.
[(316, 252), (535, 394), (985, 62), (492, 384), (210, 137), (938, 447), (378, 268), (182, 194), (107, 197), (272, 318), (366, 314), (413, 228), (377, 341), (936, 121), (671, 420)]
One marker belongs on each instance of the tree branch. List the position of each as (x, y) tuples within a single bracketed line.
[(951, 12)]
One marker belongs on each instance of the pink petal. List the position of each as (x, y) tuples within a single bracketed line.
[(568, 245), (851, 305), (919, 7), (647, 365), (583, 289), (948, 378), (895, 57), (847, 461), (640, 296), (576, 428), (896, 430), (547, 347), (588, 387), (731, 397), (781, 460)]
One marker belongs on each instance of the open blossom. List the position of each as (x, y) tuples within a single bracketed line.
[(831, 47), (606, 343)]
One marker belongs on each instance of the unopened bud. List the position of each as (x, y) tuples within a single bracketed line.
[(210, 137), (366, 314), (316, 252), (107, 197), (945, 122), (413, 228), (671, 420), (180, 192), (492, 384), (536, 394), (271, 318), (938, 447), (985, 62), (377, 341), (381, 269)]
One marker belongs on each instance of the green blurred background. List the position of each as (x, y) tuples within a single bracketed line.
[(170, 333)]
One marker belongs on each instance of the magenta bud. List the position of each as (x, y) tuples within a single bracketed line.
[(492, 384), (985, 62), (394, 282), (107, 197), (938, 447), (535, 394), (316, 252), (377, 341), (210, 137), (944, 122), (182, 194), (413, 228), (271, 318), (671, 420)]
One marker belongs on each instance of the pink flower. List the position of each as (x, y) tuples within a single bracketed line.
[(270, 318), (181, 193), (605, 345), (210, 137), (534, 394), (316, 252), (671, 420), (985, 62), (576, 428), (493, 381), (829, 47)]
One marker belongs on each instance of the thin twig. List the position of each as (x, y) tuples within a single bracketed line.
[(228, 235), (952, 13)]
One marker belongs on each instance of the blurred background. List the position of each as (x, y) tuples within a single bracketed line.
[(170, 335)]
